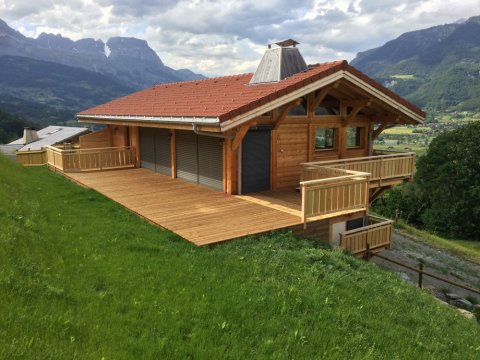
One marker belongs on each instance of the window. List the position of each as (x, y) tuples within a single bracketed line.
[(354, 137), (324, 138), (299, 110), (329, 106)]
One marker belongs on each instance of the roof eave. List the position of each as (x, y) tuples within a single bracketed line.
[(201, 120)]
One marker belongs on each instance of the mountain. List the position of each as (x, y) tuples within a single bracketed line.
[(50, 78), (131, 61), (48, 92), (437, 68)]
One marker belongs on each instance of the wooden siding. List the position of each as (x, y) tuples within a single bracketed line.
[(94, 140), (291, 149)]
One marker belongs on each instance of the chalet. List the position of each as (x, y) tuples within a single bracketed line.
[(293, 138), (30, 149)]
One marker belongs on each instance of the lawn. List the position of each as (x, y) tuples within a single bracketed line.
[(82, 278)]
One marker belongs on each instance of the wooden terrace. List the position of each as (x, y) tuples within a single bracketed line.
[(196, 213), (205, 216)]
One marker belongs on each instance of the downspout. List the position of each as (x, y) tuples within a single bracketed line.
[(206, 133)]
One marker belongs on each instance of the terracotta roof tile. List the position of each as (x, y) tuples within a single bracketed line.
[(223, 97)]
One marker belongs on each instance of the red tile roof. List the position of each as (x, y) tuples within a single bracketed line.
[(223, 97)]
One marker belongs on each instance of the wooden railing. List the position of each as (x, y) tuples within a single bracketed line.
[(90, 159), (383, 168), (377, 235), (32, 158), (327, 191)]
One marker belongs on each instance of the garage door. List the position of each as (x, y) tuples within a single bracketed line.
[(256, 161), (147, 148), (210, 162), (155, 150), (199, 159), (163, 152)]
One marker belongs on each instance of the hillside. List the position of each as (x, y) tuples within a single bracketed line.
[(82, 277), (47, 92), (436, 68), (11, 127)]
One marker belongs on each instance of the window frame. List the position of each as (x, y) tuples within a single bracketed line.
[(359, 137), (335, 138)]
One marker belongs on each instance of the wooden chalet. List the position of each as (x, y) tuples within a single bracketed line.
[(292, 139)]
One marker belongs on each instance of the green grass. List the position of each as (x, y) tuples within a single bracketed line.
[(417, 149), (399, 130), (82, 278), (470, 249)]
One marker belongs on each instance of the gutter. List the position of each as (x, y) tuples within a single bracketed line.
[(164, 119), (206, 133)]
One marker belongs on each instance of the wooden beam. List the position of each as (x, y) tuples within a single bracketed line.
[(173, 153), (378, 130), (285, 112), (357, 106), (241, 132), (321, 96)]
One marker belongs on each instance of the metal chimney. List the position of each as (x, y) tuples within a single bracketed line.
[(279, 63)]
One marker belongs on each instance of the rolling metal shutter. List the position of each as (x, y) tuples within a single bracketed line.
[(163, 152), (187, 155), (147, 148), (256, 161), (210, 162)]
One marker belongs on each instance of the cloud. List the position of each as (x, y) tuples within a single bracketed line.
[(229, 36)]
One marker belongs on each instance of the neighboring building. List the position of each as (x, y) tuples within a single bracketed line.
[(30, 148), (249, 133)]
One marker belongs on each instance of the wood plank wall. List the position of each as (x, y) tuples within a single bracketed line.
[(97, 139), (294, 142)]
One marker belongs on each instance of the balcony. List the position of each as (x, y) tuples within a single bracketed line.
[(79, 160), (337, 187)]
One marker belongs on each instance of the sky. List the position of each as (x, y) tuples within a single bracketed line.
[(219, 37)]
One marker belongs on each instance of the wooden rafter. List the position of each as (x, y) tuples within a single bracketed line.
[(321, 96), (357, 106), (283, 114)]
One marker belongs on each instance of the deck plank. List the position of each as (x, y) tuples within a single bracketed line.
[(196, 213)]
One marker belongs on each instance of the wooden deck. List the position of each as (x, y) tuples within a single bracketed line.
[(196, 213)]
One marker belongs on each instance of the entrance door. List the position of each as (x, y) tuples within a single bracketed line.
[(256, 161)]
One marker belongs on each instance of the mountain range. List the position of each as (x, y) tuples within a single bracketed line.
[(436, 68), (50, 78)]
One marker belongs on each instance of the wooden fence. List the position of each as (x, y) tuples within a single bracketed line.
[(377, 235), (329, 191), (32, 158), (381, 167), (90, 159)]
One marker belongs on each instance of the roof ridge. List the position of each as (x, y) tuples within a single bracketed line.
[(199, 80)]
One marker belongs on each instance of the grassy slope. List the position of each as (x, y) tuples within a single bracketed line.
[(82, 278), (470, 249)]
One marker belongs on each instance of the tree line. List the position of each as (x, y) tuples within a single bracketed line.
[(444, 196)]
